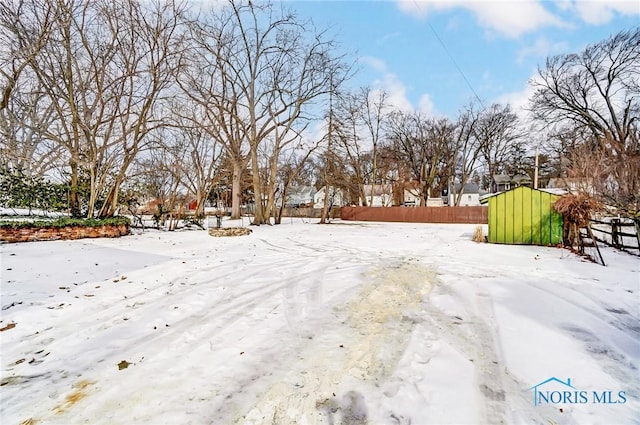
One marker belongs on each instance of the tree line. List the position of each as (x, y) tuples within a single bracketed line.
[(125, 100)]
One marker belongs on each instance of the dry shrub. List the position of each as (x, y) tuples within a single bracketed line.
[(577, 208), (478, 234)]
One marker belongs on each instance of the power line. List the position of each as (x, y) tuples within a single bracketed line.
[(464, 77)]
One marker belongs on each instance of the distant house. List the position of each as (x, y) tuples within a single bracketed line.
[(300, 196), (378, 195), (435, 202), (407, 193), (336, 197), (572, 185), (504, 182), (411, 197), (469, 195)]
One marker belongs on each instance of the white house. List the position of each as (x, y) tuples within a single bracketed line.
[(378, 195), (504, 182), (300, 196), (336, 197), (411, 197), (435, 202), (470, 196), (572, 185)]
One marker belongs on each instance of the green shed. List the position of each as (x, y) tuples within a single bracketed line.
[(524, 216)]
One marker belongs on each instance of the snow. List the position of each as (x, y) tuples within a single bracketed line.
[(347, 323)]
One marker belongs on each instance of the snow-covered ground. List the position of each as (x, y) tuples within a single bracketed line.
[(348, 323)]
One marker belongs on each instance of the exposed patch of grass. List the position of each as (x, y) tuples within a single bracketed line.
[(230, 231), (67, 222)]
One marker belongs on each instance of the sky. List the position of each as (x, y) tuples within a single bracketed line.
[(437, 56), (300, 323)]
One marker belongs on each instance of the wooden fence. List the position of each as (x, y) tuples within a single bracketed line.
[(467, 215), (620, 233)]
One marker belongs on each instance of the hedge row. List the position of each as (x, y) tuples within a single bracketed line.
[(66, 222)]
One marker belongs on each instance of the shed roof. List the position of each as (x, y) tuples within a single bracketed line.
[(485, 198)]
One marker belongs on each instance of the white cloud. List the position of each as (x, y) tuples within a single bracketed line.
[(519, 100), (598, 12), (388, 82), (375, 63), (511, 18), (390, 36), (396, 89), (412, 7), (426, 106), (542, 48)]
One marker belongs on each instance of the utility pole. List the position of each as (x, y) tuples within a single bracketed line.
[(535, 171)]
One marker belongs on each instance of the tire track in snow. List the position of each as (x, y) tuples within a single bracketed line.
[(469, 332), (471, 336), (211, 313), (361, 346)]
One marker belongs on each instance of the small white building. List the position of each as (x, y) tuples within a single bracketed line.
[(411, 197), (435, 202), (336, 197), (378, 195)]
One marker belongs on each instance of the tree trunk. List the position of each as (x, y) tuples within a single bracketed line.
[(278, 218), (93, 192), (271, 184), (236, 190), (111, 201), (201, 198), (325, 206), (425, 194), (259, 213), (373, 172), (74, 198)]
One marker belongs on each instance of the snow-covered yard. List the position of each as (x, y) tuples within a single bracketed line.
[(349, 323)]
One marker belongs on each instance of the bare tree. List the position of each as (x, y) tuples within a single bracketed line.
[(22, 145), (425, 145), (466, 150), (209, 79), (373, 116), (293, 163), (151, 55), (499, 137), (598, 89), (161, 173), (103, 70), (350, 145), (199, 156), (25, 27), (276, 68)]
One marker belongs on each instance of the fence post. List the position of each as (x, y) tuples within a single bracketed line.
[(615, 229)]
